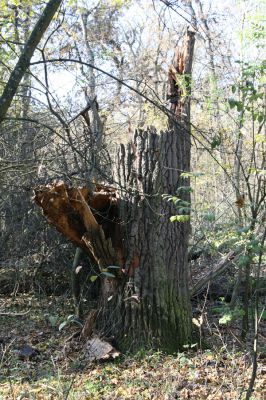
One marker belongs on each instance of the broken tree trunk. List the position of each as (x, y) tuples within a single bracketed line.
[(148, 302), (154, 306), (179, 78), (74, 213), (80, 217)]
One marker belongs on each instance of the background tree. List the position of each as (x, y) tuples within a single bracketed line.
[(24, 60)]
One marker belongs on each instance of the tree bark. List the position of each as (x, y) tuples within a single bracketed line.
[(24, 59), (153, 307)]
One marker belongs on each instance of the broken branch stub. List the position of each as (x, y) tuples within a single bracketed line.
[(179, 78), (77, 216)]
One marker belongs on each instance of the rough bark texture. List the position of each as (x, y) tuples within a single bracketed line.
[(154, 306)]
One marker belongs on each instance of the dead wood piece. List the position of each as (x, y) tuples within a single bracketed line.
[(57, 207), (97, 350), (89, 323), (101, 249), (179, 77), (70, 210), (14, 314), (94, 238), (219, 268), (27, 352)]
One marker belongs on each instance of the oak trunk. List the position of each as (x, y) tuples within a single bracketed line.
[(153, 304)]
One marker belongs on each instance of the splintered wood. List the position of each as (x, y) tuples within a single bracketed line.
[(76, 214), (179, 77)]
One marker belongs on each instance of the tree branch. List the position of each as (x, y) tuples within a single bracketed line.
[(25, 57)]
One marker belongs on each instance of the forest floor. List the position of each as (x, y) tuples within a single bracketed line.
[(37, 361)]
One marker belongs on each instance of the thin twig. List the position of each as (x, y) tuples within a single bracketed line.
[(14, 314)]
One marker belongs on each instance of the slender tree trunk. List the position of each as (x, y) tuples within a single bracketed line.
[(75, 283), (24, 60)]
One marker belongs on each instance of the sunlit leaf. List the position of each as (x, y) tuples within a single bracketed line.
[(62, 325), (180, 218)]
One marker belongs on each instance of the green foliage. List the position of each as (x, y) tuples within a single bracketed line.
[(209, 216), (250, 90), (216, 141), (231, 316), (53, 319), (183, 207), (119, 3), (106, 272), (71, 319), (180, 218), (263, 315), (183, 81), (254, 32), (227, 314)]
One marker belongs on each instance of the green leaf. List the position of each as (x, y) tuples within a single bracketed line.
[(209, 216), (226, 318), (216, 141), (184, 210), (62, 325), (243, 260), (184, 189), (93, 278), (53, 319), (239, 106), (261, 118), (184, 203), (180, 218), (183, 360), (260, 137), (113, 266), (263, 315), (232, 103)]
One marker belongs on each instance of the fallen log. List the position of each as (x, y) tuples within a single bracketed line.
[(217, 270)]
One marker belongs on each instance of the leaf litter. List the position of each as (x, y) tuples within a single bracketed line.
[(38, 362)]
